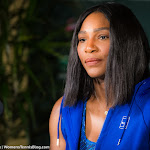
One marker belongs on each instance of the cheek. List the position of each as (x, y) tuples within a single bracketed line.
[(105, 51)]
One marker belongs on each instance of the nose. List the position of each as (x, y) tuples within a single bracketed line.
[(90, 47)]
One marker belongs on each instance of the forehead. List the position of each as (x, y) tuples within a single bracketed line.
[(94, 20)]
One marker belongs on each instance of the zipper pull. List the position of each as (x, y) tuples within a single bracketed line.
[(119, 142), (57, 142)]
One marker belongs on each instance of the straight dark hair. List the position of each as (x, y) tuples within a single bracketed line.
[(127, 62)]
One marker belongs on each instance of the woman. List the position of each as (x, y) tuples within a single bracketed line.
[(106, 100)]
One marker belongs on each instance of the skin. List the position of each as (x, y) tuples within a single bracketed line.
[(93, 49), (94, 43), (53, 128)]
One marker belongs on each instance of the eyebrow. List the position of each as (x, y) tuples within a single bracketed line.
[(95, 30)]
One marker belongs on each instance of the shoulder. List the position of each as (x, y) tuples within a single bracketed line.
[(142, 93), (53, 123), (56, 107), (55, 113)]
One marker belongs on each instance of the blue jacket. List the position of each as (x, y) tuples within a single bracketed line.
[(126, 127)]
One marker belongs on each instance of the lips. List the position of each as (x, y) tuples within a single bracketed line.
[(92, 61)]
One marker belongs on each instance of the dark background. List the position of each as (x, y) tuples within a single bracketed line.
[(35, 40)]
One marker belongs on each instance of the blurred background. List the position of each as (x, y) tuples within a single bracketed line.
[(35, 40)]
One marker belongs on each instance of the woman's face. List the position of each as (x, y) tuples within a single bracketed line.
[(94, 43)]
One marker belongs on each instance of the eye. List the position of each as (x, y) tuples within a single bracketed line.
[(82, 40), (103, 37)]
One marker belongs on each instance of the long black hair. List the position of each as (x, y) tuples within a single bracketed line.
[(127, 62)]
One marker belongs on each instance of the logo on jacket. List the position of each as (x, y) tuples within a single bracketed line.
[(124, 122)]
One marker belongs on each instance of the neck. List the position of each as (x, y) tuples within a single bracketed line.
[(99, 94), (99, 87)]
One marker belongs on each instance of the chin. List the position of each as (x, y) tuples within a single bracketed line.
[(97, 76), (96, 72)]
